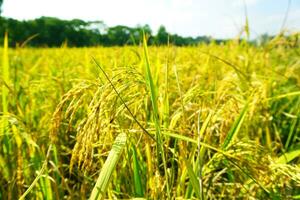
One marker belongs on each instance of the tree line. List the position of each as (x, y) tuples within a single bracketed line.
[(53, 32)]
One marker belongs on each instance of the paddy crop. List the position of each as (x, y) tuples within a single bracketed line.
[(216, 121)]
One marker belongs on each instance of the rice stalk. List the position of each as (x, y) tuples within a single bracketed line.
[(108, 167), (159, 141)]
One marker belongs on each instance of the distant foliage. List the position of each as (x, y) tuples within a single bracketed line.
[(53, 32), (1, 1)]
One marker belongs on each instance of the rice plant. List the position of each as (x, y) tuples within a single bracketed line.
[(213, 121)]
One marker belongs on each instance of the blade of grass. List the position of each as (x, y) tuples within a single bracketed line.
[(246, 27), (5, 79), (159, 142), (293, 128), (234, 130), (232, 134), (193, 179), (288, 157), (296, 93), (109, 167), (44, 166), (138, 187), (5, 74), (7, 147), (201, 150), (180, 93)]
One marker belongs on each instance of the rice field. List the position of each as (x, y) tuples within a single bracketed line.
[(214, 121)]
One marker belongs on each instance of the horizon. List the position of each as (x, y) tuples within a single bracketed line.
[(186, 18)]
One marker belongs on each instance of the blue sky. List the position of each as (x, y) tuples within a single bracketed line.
[(217, 18)]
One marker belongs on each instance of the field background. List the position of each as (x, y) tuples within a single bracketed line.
[(214, 121)]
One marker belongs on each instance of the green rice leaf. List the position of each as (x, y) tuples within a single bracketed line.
[(5, 75), (109, 167), (232, 134), (193, 179), (153, 96), (138, 187), (288, 157)]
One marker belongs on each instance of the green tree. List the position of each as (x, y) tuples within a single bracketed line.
[(119, 35), (162, 35), (1, 1), (53, 32)]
